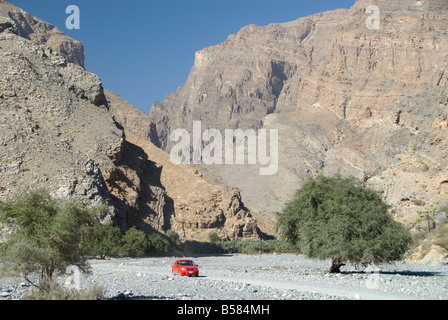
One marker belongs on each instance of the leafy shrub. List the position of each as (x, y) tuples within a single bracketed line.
[(257, 246), (157, 244), (174, 239), (214, 238), (441, 236), (103, 241), (108, 241)]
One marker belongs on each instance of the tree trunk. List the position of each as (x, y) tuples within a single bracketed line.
[(336, 265)]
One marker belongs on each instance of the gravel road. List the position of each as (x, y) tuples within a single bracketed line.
[(257, 277)]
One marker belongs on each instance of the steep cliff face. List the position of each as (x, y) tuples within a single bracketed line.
[(200, 207), (331, 84), (415, 181)]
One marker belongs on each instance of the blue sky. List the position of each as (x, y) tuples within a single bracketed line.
[(144, 49)]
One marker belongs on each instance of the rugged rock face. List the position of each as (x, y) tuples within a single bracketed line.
[(131, 118), (331, 59), (345, 98), (200, 207), (42, 32), (415, 175)]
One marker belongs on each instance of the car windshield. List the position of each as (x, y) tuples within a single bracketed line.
[(187, 263)]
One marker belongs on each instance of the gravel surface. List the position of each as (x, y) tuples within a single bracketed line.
[(263, 277)]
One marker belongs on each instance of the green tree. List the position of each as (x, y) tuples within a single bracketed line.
[(103, 241), (47, 237), (337, 218)]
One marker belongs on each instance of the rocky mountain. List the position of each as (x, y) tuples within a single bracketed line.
[(33, 28), (344, 96), (60, 130)]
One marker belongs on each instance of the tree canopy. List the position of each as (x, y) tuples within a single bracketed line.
[(337, 218)]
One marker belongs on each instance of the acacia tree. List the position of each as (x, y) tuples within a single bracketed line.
[(336, 218), (47, 237)]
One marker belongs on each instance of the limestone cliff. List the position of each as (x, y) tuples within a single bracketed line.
[(330, 59)]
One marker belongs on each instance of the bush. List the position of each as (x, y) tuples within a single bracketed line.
[(441, 236), (157, 244), (108, 241), (174, 239), (52, 290), (336, 218), (214, 238)]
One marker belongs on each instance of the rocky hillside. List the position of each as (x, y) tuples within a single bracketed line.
[(33, 28), (345, 98), (59, 129), (55, 127)]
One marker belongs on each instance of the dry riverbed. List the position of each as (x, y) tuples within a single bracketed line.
[(255, 277)]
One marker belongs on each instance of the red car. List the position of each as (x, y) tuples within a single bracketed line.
[(185, 267)]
